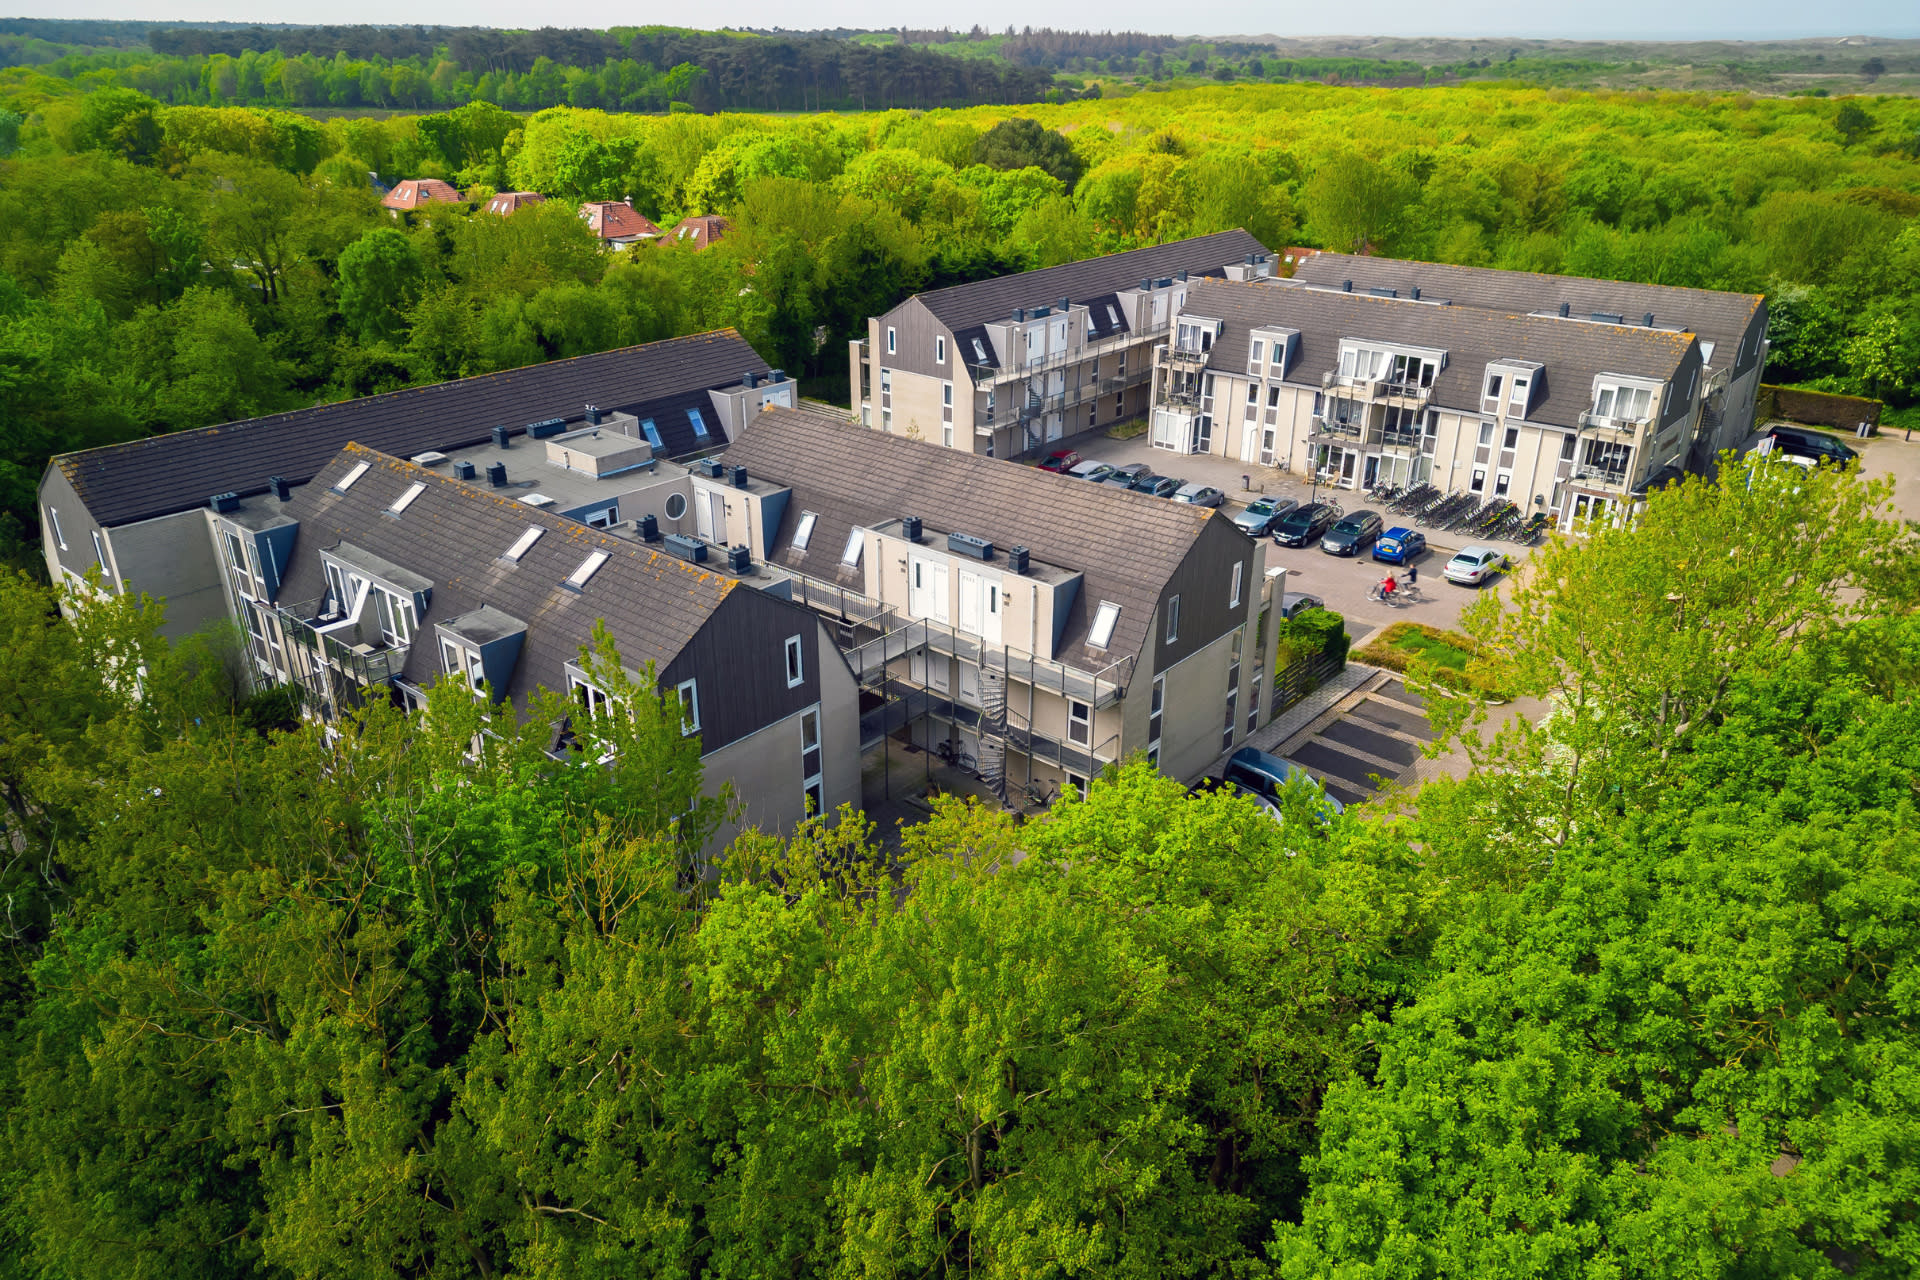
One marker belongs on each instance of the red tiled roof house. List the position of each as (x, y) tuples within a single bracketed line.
[(701, 230), (513, 201), (618, 223), (415, 193)]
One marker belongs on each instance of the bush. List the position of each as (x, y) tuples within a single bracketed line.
[(1446, 656), (1315, 633)]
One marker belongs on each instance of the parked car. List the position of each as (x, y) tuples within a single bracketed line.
[(1091, 470), (1400, 545), (1472, 566), (1303, 525), (1199, 495), (1127, 473), (1351, 534), (1810, 444), (1269, 775), (1260, 515), (1208, 785), (1063, 461), (1158, 486), (1295, 603)]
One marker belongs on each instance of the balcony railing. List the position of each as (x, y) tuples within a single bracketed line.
[(1400, 440), (1335, 429), (1601, 422), (1029, 407), (989, 373)]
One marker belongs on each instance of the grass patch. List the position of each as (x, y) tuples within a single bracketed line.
[(1127, 430), (1447, 654)]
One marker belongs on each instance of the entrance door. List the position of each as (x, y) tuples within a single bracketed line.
[(1266, 446), (969, 684), (970, 602), (1372, 473), (927, 589), (1203, 434), (1348, 459)]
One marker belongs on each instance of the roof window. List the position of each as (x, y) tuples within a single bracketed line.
[(652, 433), (855, 540), (804, 534), (699, 423), (1103, 623), (588, 567), (405, 500), (523, 543), (345, 482)]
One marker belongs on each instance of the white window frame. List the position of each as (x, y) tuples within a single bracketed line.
[(398, 626), (1258, 356), (892, 341), (804, 534), (795, 652), (856, 543), (939, 348), (1239, 573), (592, 698), (353, 473), (1080, 723), (1173, 620), (523, 544), (688, 692), (588, 567), (405, 500), (53, 516), (812, 792), (1105, 618)]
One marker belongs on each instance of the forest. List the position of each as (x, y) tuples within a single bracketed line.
[(169, 266), (1637, 997)]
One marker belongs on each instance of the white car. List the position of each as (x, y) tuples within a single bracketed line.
[(1091, 471), (1472, 566)]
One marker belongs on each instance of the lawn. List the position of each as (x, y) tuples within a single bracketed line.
[(1448, 653)]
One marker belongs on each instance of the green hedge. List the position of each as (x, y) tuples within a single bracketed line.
[(1312, 634), (1818, 408)]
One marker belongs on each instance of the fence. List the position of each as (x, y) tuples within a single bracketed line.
[(1816, 408)]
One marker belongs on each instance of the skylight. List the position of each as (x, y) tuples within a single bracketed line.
[(1103, 624), (804, 534), (855, 540), (588, 567), (699, 424), (523, 543), (346, 481), (653, 433), (537, 500), (405, 500)]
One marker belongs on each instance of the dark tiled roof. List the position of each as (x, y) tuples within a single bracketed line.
[(1126, 544), (1572, 353), (962, 305), (160, 475), (454, 534), (1720, 318)]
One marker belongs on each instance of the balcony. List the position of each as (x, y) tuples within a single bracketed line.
[(1600, 422), (1407, 441), (986, 374), (1336, 430), (1028, 407)]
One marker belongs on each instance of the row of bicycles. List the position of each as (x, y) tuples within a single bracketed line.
[(1465, 513)]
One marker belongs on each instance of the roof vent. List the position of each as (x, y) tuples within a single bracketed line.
[(776, 375), (1384, 293), (910, 528), (739, 477), (1565, 309), (1017, 559), (1415, 293), (1146, 286), (739, 559), (549, 427), (1647, 320), (224, 503), (1182, 277), (686, 548), (1253, 259), (649, 528), (463, 470), (500, 440), (967, 545), (497, 475), (281, 488), (751, 380), (1165, 282), (431, 458), (1346, 286), (593, 414), (1019, 314), (537, 500), (1065, 305), (712, 468)]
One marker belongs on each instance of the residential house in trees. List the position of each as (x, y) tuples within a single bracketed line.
[(701, 230), (511, 202), (617, 224), (1008, 366), (416, 193)]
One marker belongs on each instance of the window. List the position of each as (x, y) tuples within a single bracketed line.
[(1486, 433), (1239, 571), (99, 551), (1253, 703), (1567, 446), (886, 420), (353, 473), (1120, 405), (1093, 413), (652, 433), (588, 567), (1629, 404), (1078, 783), (890, 341), (810, 788), (1101, 635), (405, 500), (1608, 456), (1257, 357), (939, 349), (980, 353), (1253, 395), (946, 433), (1273, 397), (886, 380), (396, 617), (53, 518), (236, 563), (1173, 619), (676, 506), (1479, 480), (855, 540), (689, 693), (594, 701), (460, 660), (1512, 438), (796, 667), (1502, 481), (602, 519), (1494, 383), (1519, 397), (1157, 705), (1079, 723), (699, 423), (804, 534), (946, 394)]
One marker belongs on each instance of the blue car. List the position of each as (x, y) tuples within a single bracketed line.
[(1399, 545)]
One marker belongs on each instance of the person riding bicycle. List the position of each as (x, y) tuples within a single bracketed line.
[(1388, 586)]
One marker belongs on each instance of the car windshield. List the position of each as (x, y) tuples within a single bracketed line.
[(1351, 525), (1467, 557), (1302, 517)]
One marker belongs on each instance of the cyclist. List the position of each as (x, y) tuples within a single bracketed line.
[(1388, 586)]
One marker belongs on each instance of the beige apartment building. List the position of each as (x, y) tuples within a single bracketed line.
[(1569, 416), (1008, 366), (1041, 626)]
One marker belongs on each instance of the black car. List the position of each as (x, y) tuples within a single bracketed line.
[(1352, 534), (1811, 444), (1304, 525), (1157, 486)]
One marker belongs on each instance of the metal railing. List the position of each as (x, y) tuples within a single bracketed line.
[(1601, 422), (1030, 407), (985, 373)]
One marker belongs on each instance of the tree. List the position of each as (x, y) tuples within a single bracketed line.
[(1021, 143), (1357, 205), (380, 279), (252, 209), (123, 122), (1872, 69), (1852, 122)]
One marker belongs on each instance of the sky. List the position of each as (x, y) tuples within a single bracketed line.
[(1618, 19)]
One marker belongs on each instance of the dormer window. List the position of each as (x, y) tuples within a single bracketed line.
[(1256, 357), (396, 617), (1623, 404), (459, 660)]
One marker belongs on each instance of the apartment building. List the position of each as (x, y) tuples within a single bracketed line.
[(1731, 327), (142, 512), (1038, 624), (1007, 366), (382, 576), (1572, 417)]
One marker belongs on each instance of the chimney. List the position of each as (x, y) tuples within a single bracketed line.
[(463, 470), (1346, 286), (1647, 320), (739, 559), (1017, 559), (1183, 275), (497, 475), (910, 528), (1019, 314), (593, 415), (1146, 286), (776, 375), (1065, 305), (1415, 295), (281, 489), (224, 503), (649, 528), (739, 477), (1566, 309), (751, 380), (500, 438)]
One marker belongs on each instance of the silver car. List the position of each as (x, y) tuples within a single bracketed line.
[(1091, 470), (1199, 495), (1258, 517), (1295, 603)]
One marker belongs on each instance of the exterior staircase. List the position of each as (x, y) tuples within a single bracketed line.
[(993, 731)]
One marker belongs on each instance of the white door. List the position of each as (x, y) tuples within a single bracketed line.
[(970, 602), (702, 515), (990, 623), (969, 684), (1056, 426), (1203, 434), (927, 590)]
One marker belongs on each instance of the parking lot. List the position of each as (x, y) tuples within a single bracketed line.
[(1343, 583)]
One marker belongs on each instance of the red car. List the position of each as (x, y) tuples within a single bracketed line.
[(1063, 461)]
